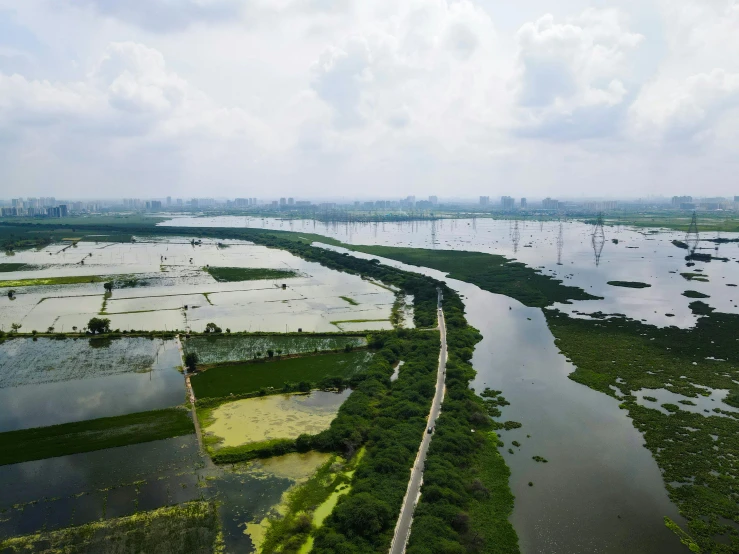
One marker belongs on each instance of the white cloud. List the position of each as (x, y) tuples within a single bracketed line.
[(684, 109), (165, 15), (428, 70), (571, 75)]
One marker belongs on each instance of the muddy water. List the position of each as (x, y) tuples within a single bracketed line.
[(601, 490)]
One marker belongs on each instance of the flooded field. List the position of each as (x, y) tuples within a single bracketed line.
[(213, 350), (274, 417), (77, 489), (601, 491), (640, 255), (163, 285), (49, 381)]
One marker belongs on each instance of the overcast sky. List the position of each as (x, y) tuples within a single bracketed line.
[(112, 98)]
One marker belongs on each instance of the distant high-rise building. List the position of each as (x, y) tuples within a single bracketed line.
[(677, 200), (484, 201), (507, 202), (169, 200), (434, 200), (291, 201), (179, 202), (523, 203), (550, 204), (736, 199), (63, 210), (283, 202)]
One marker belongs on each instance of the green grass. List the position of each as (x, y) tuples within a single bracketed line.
[(241, 378), (66, 280), (228, 274), (349, 300), (629, 284), (488, 271), (95, 434), (192, 527)]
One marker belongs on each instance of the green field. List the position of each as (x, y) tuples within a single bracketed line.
[(488, 271), (192, 527), (235, 348), (228, 274), (244, 378), (94, 434)]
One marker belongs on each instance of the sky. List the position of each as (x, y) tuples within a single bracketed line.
[(380, 98)]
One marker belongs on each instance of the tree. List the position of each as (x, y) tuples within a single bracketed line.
[(212, 328), (191, 360), (15, 326), (108, 286), (99, 325)]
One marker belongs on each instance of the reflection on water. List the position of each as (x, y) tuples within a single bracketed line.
[(77, 489), (178, 294), (564, 250), (126, 384), (601, 490)]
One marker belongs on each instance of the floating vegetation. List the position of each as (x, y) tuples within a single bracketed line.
[(229, 274), (629, 284), (695, 294), (539, 459), (235, 348), (692, 276), (8, 267), (696, 452), (310, 371), (349, 300), (256, 420)]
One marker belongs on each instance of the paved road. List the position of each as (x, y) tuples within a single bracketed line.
[(403, 526)]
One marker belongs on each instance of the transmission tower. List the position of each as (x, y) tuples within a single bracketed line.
[(598, 239), (560, 244), (516, 237), (691, 237)]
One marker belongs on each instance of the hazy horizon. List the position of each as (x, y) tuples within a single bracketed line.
[(321, 99)]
